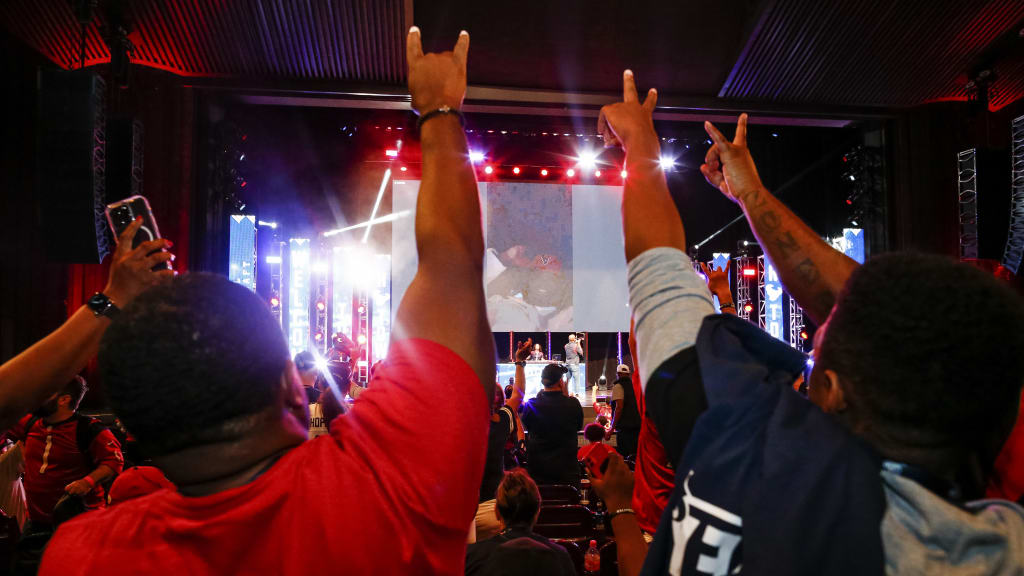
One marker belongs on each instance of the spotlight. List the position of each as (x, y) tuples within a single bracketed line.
[(361, 339), (516, 170), (587, 159), (597, 173), (391, 153), (268, 225), (570, 172), (321, 364), (319, 336), (243, 183), (275, 301), (362, 309), (623, 174), (241, 157), (273, 259), (748, 308), (544, 172), (804, 335), (667, 162), (320, 305), (488, 170), (749, 272), (403, 168), (476, 156)]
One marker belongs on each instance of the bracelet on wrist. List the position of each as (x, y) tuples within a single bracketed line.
[(619, 512), (726, 305), (443, 110)]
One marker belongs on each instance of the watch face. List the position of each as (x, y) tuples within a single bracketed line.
[(99, 303)]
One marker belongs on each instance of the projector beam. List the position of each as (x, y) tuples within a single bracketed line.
[(367, 224)]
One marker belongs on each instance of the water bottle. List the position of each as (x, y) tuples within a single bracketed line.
[(592, 560)]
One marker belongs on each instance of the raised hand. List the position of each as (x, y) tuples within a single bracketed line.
[(728, 166), (718, 280), (436, 80), (131, 269), (628, 122), (615, 487), (523, 351)]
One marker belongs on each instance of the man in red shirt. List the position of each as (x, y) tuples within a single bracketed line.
[(199, 372), (54, 462)]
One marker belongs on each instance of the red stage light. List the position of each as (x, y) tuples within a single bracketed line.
[(275, 301), (804, 335), (403, 168), (544, 172), (515, 170), (748, 308), (362, 309), (319, 336), (488, 170), (243, 184), (321, 306), (361, 339), (749, 272), (597, 173), (391, 153), (623, 173), (570, 172), (849, 202)]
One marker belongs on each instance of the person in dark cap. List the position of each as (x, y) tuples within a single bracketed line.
[(553, 420), (517, 550)]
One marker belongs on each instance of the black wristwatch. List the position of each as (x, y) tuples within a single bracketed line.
[(102, 306), (521, 363)]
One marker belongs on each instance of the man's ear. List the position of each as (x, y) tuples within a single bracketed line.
[(834, 394), (292, 392)]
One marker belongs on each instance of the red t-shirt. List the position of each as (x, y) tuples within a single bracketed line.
[(375, 496), (53, 460), (653, 478), (1007, 480)]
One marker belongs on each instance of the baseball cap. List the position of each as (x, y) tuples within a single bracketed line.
[(138, 481), (553, 372), (622, 369)]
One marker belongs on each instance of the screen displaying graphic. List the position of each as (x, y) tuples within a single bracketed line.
[(242, 250), (554, 257)]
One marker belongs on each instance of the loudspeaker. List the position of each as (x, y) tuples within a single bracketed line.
[(71, 152), (124, 158)]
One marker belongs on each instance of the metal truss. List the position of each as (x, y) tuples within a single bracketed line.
[(796, 324), (1015, 238), (967, 186)]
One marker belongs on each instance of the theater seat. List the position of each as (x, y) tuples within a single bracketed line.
[(9, 534), (609, 559), (565, 522), (575, 552), (558, 495)]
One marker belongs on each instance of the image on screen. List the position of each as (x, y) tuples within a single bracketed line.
[(554, 259)]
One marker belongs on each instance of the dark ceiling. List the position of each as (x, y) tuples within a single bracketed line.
[(810, 53)]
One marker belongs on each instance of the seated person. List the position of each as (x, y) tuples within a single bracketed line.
[(537, 354), (918, 367), (199, 371), (594, 434), (502, 429), (553, 420), (517, 508)]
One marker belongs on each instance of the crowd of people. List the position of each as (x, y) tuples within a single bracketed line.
[(912, 391)]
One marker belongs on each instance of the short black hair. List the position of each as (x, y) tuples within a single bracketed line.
[(76, 388), (931, 353), (509, 390), (517, 498), (594, 432), (188, 360)]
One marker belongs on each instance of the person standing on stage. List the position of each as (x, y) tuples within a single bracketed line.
[(537, 353), (573, 352)]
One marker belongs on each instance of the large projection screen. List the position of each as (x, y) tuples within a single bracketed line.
[(554, 256)]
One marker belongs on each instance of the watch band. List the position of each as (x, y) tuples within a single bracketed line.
[(101, 305)]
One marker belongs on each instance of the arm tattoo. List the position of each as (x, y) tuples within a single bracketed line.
[(808, 272), (786, 244)]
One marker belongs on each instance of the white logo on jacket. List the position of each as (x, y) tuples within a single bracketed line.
[(718, 529)]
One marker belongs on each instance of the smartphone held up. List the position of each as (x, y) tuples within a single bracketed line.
[(122, 213)]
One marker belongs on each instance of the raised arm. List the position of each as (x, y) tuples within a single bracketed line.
[(718, 283), (649, 216), (812, 271), (445, 302), (28, 379), (519, 382)]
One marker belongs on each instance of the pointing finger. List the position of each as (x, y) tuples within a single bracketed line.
[(461, 50), (629, 87), (741, 131), (413, 46)]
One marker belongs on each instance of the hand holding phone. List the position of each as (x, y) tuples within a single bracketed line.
[(121, 214), (597, 459)]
